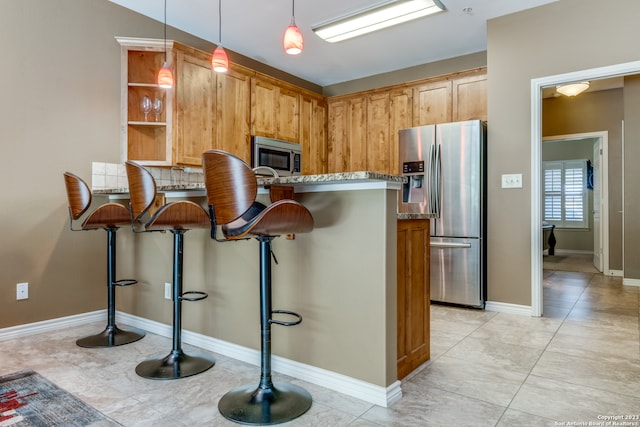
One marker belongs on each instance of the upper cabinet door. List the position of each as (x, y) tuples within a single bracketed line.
[(195, 106), (470, 98), (313, 134), (432, 103), (275, 109), (234, 113)]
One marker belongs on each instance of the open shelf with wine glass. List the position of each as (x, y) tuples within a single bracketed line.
[(146, 107)]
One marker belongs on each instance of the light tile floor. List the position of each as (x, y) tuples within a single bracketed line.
[(579, 363)]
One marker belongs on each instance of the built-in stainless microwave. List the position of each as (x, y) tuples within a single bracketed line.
[(283, 157)]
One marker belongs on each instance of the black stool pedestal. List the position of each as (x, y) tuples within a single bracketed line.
[(267, 404), (177, 364), (112, 335)]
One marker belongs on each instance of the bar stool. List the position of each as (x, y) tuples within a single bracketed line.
[(109, 217), (231, 192), (176, 217)]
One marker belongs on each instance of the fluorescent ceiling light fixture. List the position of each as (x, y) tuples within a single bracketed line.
[(380, 16), (573, 89)]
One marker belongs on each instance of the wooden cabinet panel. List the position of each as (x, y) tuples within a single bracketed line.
[(313, 134), (357, 133), (378, 140), (432, 103), (470, 98), (413, 295), (337, 129), (400, 117), (287, 114), (195, 106), (263, 108), (274, 110), (234, 113)]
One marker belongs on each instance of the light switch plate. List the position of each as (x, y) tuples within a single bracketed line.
[(513, 180)]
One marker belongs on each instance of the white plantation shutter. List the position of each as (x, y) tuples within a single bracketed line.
[(565, 193)]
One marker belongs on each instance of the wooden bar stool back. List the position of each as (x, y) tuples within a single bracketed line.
[(176, 217), (109, 217), (231, 193)]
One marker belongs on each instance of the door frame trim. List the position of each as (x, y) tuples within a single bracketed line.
[(537, 85)]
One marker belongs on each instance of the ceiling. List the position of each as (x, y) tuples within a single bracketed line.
[(254, 28)]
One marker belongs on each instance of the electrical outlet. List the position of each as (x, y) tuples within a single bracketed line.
[(22, 291), (167, 291), (513, 180)]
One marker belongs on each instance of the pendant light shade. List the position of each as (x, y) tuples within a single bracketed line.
[(293, 42), (165, 76), (219, 60)]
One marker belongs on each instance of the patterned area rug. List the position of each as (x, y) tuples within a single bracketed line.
[(29, 399)]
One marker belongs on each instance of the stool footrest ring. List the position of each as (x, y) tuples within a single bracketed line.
[(201, 296), (288, 313), (125, 282)]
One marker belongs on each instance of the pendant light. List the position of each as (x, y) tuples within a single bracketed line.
[(292, 36), (219, 60), (165, 76)]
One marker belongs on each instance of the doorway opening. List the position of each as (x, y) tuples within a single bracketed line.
[(537, 85), (594, 146)]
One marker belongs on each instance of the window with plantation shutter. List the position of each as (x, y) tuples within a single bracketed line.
[(565, 193)]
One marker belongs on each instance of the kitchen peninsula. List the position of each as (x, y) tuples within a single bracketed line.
[(341, 278)]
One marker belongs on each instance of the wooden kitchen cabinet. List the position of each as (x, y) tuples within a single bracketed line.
[(347, 133), (185, 125), (195, 107), (400, 117), (432, 103), (313, 134), (470, 98), (233, 124), (413, 295), (378, 136), (143, 138), (275, 109)]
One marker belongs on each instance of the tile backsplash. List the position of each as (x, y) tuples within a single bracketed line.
[(114, 175)]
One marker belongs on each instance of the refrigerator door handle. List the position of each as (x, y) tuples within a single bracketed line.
[(450, 245), (431, 177), (437, 173)]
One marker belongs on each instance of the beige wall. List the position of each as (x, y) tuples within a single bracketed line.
[(594, 112), (539, 42), (632, 177)]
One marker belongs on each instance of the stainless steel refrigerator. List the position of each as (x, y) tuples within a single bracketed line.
[(445, 166)]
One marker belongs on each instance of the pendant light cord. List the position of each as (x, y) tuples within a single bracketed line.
[(293, 11), (220, 22), (165, 30)]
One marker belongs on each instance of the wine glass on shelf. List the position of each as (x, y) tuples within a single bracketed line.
[(157, 108), (146, 106)]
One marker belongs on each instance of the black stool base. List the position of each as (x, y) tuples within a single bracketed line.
[(174, 366), (257, 406), (111, 337)]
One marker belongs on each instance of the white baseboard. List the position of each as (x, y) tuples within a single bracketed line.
[(503, 307), (378, 395), (52, 325), (631, 282), (615, 273)]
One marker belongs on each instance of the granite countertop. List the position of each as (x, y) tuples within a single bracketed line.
[(265, 181), (298, 180)]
